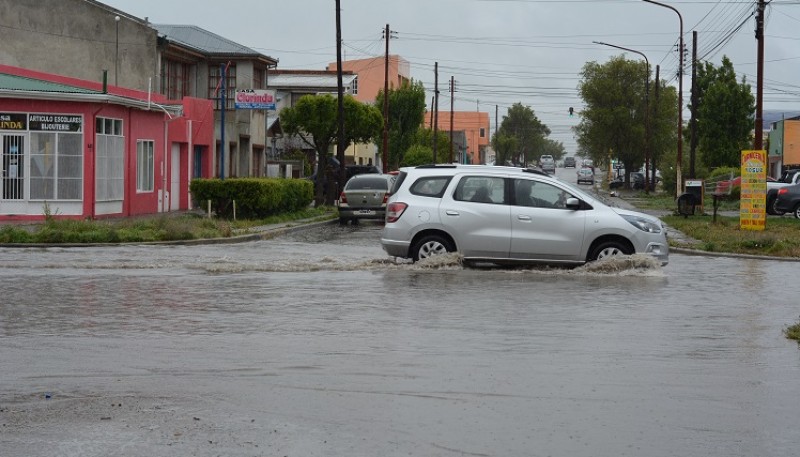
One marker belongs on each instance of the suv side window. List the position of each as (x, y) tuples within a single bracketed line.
[(528, 192), (481, 189), (432, 186)]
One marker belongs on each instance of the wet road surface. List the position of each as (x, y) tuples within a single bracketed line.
[(317, 344)]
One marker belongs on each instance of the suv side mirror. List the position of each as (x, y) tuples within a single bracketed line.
[(573, 203)]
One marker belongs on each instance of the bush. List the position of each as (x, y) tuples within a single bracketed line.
[(253, 197)]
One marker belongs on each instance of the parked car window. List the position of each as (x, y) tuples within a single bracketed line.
[(433, 186), (379, 182), (482, 189)]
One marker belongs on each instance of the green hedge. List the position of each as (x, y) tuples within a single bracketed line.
[(255, 197)]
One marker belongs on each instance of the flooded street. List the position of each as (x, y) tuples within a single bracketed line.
[(318, 344)]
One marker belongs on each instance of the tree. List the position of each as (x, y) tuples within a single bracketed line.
[(528, 132), (725, 115), (613, 119), (423, 137), (406, 114), (553, 148), (313, 119), (505, 147)]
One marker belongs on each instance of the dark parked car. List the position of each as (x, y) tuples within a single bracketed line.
[(637, 182), (788, 200), (350, 171)]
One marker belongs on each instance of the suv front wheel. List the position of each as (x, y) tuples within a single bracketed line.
[(431, 245), (609, 249)]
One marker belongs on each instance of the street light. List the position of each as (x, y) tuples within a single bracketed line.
[(646, 113), (116, 53), (679, 183)]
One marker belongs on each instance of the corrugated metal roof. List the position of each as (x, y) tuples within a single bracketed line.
[(204, 41), (13, 82), (316, 81)]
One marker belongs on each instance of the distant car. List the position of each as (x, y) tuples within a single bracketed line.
[(547, 163), (364, 197), (588, 163), (586, 175), (569, 162), (787, 200)]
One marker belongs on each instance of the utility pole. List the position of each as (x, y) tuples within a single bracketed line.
[(452, 91), (385, 158), (695, 100), (433, 99), (758, 143), (341, 135), (655, 107), (222, 124), (435, 106), (679, 164)]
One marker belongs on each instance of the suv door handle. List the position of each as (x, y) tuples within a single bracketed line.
[(523, 217), (451, 212)]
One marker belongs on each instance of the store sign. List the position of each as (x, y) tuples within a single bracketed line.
[(55, 123), (753, 201), (13, 121), (255, 99)]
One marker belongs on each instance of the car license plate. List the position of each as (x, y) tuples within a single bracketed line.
[(367, 212)]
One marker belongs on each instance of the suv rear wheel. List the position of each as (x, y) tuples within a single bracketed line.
[(431, 245)]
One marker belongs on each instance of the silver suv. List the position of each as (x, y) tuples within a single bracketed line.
[(547, 163), (509, 215)]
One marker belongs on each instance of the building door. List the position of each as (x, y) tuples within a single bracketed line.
[(175, 178), (13, 166)]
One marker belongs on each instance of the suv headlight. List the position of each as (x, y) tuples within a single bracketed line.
[(643, 224)]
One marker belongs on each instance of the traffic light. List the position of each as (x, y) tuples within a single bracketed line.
[(570, 111)]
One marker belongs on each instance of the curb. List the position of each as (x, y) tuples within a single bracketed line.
[(264, 234)]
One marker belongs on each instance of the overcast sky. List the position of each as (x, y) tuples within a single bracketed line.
[(505, 51)]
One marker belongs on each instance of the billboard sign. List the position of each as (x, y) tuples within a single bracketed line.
[(753, 202), (255, 99)]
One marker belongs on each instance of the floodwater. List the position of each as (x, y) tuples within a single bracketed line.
[(317, 344)]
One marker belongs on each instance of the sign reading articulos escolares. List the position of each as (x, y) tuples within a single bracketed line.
[(55, 122), (255, 99)]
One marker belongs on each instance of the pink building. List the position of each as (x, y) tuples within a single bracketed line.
[(80, 149), (475, 126), (372, 75)]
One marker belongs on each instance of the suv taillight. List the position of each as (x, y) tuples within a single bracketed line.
[(394, 211), (782, 191), (343, 198)]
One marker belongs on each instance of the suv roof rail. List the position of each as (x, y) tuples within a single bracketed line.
[(437, 165), (535, 171)]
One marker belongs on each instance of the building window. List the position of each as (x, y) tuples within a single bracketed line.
[(354, 86), (56, 166), (483, 132), (175, 79), (109, 160), (145, 165), (259, 78), (215, 86)]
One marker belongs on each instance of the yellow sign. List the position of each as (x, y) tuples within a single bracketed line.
[(753, 202)]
